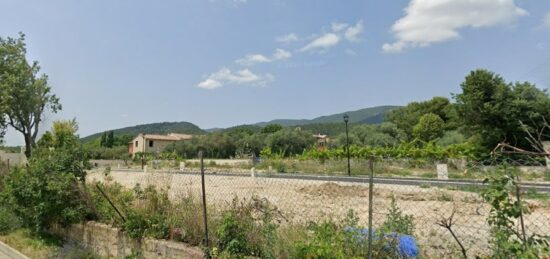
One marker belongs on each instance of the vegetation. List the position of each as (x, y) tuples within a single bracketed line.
[(508, 236), (30, 95), (49, 192), (152, 128)]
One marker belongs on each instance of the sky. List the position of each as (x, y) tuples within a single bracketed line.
[(220, 63)]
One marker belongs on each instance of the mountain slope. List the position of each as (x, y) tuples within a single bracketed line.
[(370, 115), (154, 128)]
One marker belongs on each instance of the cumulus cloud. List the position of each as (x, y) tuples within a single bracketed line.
[(323, 42), (281, 54), (352, 33), (252, 59), (287, 38), (432, 21), (240, 77)]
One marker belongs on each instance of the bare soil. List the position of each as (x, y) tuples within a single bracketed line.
[(306, 200)]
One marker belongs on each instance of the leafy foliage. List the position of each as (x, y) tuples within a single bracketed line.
[(491, 109), (429, 127), (507, 241), (29, 93), (397, 221), (49, 190)]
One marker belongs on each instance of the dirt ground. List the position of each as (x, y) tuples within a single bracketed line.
[(307, 200)]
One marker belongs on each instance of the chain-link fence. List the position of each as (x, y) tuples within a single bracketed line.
[(439, 205)]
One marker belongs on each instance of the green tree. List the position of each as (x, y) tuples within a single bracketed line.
[(490, 110), (290, 141), (272, 128), (429, 127), (407, 117), (110, 140), (103, 139), (29, 93)]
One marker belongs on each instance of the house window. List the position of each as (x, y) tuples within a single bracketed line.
[(150, 143), (136, 143)]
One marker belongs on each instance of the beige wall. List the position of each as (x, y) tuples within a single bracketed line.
[(143, 145), (158, 145), (113, 243)]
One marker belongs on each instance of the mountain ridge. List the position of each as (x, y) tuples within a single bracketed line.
[(371, 115)]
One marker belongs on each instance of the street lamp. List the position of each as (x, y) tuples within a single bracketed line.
[(346, 120)]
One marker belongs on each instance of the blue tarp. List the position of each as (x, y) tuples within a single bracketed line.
[(404, 244)]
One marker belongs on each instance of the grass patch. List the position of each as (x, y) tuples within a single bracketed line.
[(536, 195), (32, 246)]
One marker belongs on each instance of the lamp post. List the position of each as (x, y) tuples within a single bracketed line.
[(346, 120)]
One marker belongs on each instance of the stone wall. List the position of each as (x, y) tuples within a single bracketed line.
[(111, 242)]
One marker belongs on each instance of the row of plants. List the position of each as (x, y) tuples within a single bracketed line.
[(408, 150)]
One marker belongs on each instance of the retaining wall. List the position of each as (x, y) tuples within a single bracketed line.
[(111, 242)]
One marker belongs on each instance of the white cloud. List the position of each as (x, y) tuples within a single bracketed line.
[(352, 33), (241, 77), (209, 83), (337, 27), (432, 21), (281, 54), (546, 21), (287, 38), (323, 42), (252, 59)]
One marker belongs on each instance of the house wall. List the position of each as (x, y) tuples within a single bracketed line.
[(139, 147), (143, 145), (158, 145)]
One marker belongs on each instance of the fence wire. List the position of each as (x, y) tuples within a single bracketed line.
[(416, 188)]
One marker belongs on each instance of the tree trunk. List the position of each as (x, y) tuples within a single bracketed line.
[(28, 144)]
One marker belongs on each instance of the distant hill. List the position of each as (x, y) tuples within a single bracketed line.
[(329, 124), (371, 115), (154, 128)]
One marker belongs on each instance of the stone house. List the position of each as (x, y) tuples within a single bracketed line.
[(151, 143)]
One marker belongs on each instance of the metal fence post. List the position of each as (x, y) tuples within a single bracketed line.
[(371, 185), (204, 201)]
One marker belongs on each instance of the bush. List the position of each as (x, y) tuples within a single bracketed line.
[(333, 240), (506, 240), (8, 221), (48, 191), (397, 222), (247, 229)]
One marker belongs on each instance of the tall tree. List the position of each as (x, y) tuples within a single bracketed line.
[(27, 92), (491, 109), (110, 140), (103, 139)]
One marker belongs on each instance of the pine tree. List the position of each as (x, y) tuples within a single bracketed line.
[(110, 141), (103, 140)]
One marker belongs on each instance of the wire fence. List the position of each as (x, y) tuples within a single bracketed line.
[(424, 192)]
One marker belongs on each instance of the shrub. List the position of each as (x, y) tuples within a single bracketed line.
[(396, 221), (247, 228), (8, 221), (43, 195), (331, 239), (506, 209)]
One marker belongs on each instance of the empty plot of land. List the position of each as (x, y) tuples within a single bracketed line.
[(309, 200)]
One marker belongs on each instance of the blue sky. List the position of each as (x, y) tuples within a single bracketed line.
[(220, 63)]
